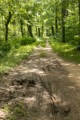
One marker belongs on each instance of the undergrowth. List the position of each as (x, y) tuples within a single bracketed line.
[(17, 112), (14, 56), (41, 42), (66, 50), (13, 51)]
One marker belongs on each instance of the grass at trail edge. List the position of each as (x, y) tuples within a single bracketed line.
[(66, 51), (14, 57)]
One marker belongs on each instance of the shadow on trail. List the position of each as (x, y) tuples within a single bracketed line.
[(39, 89)]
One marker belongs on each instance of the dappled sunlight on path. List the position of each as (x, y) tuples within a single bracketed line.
[(46, 85)]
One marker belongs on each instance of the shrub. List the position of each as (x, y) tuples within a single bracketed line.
[(16, 43), (27, 40), (5, 47), (41, 43), (76, 39), (1, 54)]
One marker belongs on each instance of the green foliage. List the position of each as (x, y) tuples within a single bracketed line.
[(13, 51), (27, 40), (14, 56), (16, 42), (4, 48), (77, 39), (67, 51), (18, 112), (41, 42)]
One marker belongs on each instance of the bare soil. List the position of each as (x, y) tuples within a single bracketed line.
[(48, 87)]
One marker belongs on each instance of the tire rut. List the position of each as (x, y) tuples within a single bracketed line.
[(42, 86)]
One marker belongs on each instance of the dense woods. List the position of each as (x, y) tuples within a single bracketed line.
[(23, 22), (41, 18)]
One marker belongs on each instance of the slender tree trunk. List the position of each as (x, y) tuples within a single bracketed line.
[(79, 20), (30, 30), (22, 31), (6, 26), (36, 31), (6, 33), (52, 29), (39, 32), (63, 22), (42, 32), (56, 21)]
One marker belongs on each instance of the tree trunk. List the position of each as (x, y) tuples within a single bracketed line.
[(42, 30), (56, 21), (36, 31), (22, 31), (52, 29), (6, 26), (30, 30), (79, 20), (63, 22), (39, 32)]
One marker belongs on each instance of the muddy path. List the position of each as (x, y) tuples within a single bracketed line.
[(46, 85)]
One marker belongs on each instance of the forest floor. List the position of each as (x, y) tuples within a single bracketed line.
[(42, 87)]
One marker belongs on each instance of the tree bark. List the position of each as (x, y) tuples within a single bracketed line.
[(42, 30), (79, 20), (56, 21), (39, 32), (52, 29), (36, 33), (30, 30), (6, 26), (63, 22), (22, 31)]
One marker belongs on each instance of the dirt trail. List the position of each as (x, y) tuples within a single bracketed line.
[(47, 86)]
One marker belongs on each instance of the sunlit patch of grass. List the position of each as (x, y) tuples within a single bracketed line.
[(41, 42), (20, 111), (17, 111), (67, 51), (14, 56)]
